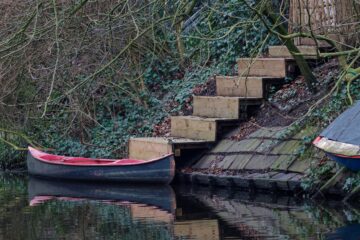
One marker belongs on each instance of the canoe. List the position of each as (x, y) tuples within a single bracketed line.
[(43, 164), (342, 153), (159, 196), (341, 139)]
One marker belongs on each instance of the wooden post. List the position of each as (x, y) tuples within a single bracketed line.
[(331, 182), (336, 19)]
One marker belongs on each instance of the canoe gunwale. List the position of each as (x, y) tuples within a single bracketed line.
[(344, 156), (320, 143)]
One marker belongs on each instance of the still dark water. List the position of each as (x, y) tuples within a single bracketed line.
[(43, 209)]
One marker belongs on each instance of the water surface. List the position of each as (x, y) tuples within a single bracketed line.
[(42, 209)]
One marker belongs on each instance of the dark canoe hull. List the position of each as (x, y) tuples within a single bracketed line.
[(352, 163), (160, 171), (158, 195)]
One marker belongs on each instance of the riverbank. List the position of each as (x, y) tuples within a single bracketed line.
[(273, 150)]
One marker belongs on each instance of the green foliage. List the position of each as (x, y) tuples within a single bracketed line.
[(219, 36), (109, 138), (210, 49), (322, 117), (352, 182), (317, 174), (338, 103), (11, 158)]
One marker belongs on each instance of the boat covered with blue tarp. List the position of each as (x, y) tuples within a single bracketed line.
[(341, 139)]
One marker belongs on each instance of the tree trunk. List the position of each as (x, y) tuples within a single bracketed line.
[(300, 60), (179, 42)]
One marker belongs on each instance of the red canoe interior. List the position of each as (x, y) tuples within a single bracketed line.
[(42, 199), (56, 159)]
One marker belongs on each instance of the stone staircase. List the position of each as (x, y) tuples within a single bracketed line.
[(213, 115)]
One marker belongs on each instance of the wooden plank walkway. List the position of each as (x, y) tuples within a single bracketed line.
[(260, 151)]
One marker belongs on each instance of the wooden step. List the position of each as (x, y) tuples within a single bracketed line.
[(234, 86), (282, 51), (194, 127), (197, 127), (223, 107), (147, 148), (269, 67)]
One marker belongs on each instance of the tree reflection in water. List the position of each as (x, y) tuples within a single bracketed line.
[(63, 210)]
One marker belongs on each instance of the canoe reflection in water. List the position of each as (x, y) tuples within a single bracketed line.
[(145, 201), (153, 206)]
